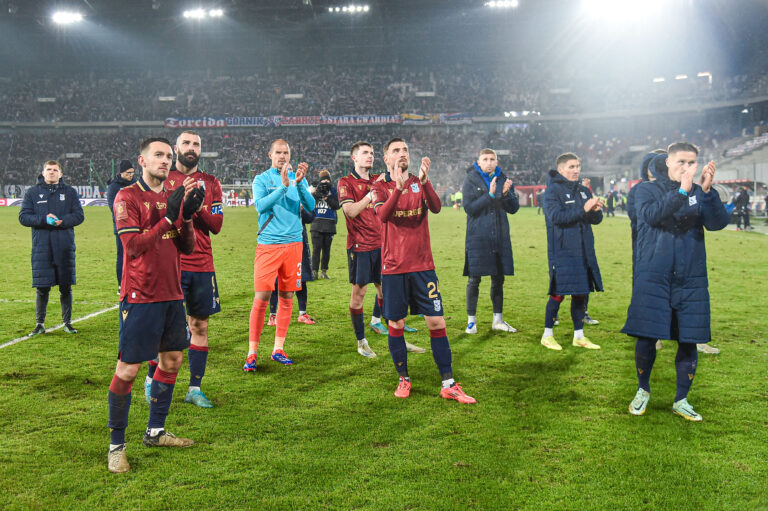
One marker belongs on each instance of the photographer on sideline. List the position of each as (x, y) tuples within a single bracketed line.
[(324, 225)]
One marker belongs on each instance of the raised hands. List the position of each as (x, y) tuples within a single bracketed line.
[(492, 186), (707, 175), (593, 204), (686, 180), (284, 174), (301, 171), (507, 186), (424, 169)]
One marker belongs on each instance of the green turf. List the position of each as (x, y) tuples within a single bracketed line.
[(550, 430)]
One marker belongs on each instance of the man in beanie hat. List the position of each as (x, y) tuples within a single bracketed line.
[(121, 180)]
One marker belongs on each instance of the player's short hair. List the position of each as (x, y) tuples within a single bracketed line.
[(147, 141), (682, 146), (566, 157), (392, 141), (279, 141), (486, 151), (189, 132), (52, 162), (357, 145)]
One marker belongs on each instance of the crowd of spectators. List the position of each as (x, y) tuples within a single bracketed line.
[(334, 91)]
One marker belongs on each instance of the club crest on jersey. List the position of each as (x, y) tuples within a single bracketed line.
[(437, 305), (342, 190), (41, 195), (201, 184), (583, 195), (692, 200), (567, 195), (415, 187), (61, 196)]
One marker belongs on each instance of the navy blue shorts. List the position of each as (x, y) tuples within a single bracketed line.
[(364, 267), (420, 290), (201, 294), (147, 329)]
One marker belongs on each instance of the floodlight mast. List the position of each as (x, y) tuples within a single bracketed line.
[(66, 17)]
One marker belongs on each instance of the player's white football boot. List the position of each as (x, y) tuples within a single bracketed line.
[(364, 349), (471, 328), (503, 326)]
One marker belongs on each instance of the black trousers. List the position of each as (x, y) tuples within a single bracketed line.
[(321, 250)]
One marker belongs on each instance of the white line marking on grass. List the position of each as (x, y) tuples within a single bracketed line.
[(87, 316)]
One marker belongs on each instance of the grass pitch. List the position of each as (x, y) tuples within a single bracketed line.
[(550, 430)]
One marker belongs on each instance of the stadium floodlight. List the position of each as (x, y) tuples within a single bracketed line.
[(196, 14), (66, 18), (349, 9), (615, 10), (658, 79), (216, 13), (502, 4), (681, 77)]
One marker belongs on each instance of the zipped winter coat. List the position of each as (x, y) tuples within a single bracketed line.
[(488, 249), (53, 247), (670, 297), (573, 268)]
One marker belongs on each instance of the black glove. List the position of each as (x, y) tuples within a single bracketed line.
[(193, 202), (174, 204)]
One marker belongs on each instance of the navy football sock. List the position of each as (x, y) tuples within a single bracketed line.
[(357, 323), (151, 369), (645, 356), (198, 357), (273, 302), (160, 398), (441, 352), (685, 363), (376, 308), (553, 305), (119, 399), (398, 351), (577, 311)]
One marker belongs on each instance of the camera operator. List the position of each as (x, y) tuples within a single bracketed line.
[(324, 225)]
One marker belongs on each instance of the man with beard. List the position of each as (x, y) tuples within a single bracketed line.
[(408, 276), (198, 276), (151, 310), (570, 211)]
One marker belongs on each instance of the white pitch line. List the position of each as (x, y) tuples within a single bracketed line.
[(88, 316)]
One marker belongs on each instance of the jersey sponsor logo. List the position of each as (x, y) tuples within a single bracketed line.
[(570, 201), (692, 200), (172, 181), (121, 212), (161, 205), (407, 213), (173, 233), (41, 196)]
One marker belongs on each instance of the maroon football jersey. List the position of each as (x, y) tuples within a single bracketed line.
[(207, 220), (363, 231), (155, 275), (406, 247)]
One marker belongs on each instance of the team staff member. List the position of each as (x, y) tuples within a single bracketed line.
[(670, 296), (489, 196), (120, 181), (52, 209), (570, 211), (198, 275), (151, 309), (408, 271), (278, 196)]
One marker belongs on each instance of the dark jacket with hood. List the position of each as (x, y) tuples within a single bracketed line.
[(653, 163), (53, 247), (670, 299), (573, 266), (488, 249), (115, 185)]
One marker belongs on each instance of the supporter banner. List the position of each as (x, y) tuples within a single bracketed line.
[(416, 119), (457, 118), (281, 120)]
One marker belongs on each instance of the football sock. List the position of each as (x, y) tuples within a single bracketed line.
[(548, 332), (471, 319), (376, 316), (301, 297), (119, 399), (685, 363), (273, 302), (497, 317), (198, 357), (284, 311), (450, 382), (577, 311), (256, 323), (497, 294), (553, 305), (578, 334), (645, 355), (152, 367), (441, 352), (301, 312), (398, 351), (357, 322), (160, 394), (473, 291)]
